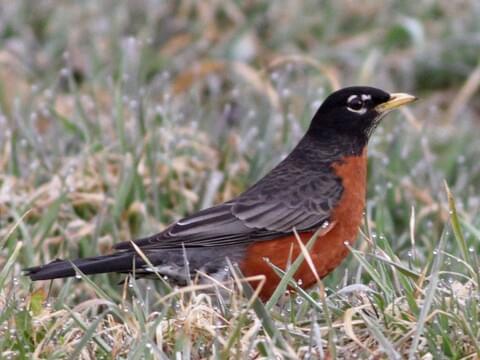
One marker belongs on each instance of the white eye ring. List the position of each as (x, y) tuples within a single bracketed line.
[(363, 109)]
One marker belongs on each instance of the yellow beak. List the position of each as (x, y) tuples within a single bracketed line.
[(396, 100)]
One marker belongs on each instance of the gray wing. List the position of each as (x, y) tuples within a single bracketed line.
[(287, 198)]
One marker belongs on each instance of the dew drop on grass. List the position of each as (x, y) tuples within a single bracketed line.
[(471, 249), (65, 72), (78, 276), (275, 76), (286, 93), (315, 105), (299, 300), (133, 104)]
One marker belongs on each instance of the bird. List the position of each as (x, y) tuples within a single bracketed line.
[(320, 187)]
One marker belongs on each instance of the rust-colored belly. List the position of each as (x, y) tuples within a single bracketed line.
[(329, 249)]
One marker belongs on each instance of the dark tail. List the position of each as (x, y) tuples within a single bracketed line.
[(120, 262)]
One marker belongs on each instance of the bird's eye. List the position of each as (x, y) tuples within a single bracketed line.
[(355, 103)]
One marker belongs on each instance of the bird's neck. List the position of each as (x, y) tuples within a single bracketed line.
[(334, 145)]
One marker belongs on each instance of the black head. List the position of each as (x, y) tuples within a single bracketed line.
[(355, 111)]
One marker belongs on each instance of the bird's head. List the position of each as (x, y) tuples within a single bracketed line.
[(356, 110)]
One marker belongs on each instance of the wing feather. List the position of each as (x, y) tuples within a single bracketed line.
[(301, 197)]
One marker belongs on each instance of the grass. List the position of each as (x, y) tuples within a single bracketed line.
[(119, 117)]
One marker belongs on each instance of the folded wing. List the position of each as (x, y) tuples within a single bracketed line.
[(286, 198)]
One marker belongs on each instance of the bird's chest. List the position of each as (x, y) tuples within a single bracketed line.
[(348, 212)]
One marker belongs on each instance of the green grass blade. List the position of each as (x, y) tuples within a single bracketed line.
[(89, 333), (282, 286), (9, 264), (429, 295)]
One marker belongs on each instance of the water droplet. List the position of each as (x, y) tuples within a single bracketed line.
[(65, 72), (275, 76), (133, 104), (325, 224), (299, 300), (78, 276), (286, 93), (315, 105), (471, 249)]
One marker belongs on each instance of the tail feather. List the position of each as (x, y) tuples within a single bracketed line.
[(120, 262)]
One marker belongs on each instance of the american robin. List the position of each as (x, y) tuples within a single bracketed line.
[(319, 185)]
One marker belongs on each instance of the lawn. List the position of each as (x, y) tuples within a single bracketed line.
[(118, 117)]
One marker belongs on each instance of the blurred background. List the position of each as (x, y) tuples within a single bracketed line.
[(117, 117)]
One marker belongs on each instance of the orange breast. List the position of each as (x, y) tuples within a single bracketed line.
[(329, 249)]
